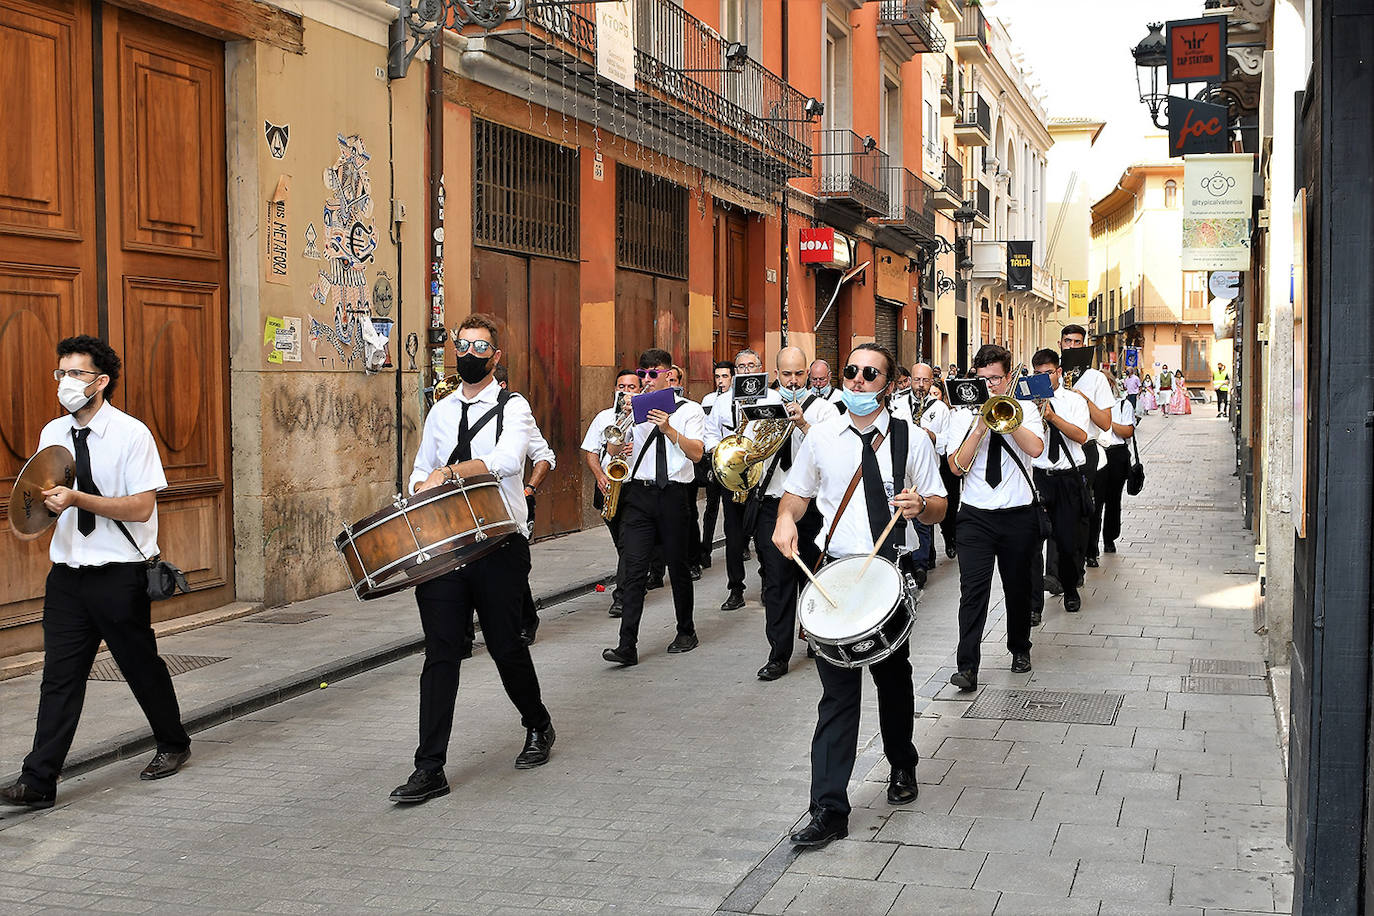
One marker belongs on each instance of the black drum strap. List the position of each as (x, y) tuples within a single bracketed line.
[(499, 412)]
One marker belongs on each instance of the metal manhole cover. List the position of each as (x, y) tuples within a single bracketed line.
[(107, 670), (288, 617), (1226, 666), (1046, 706), (1234, 686)]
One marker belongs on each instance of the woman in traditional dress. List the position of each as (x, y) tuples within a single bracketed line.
[(1179, 405), (1148, 400)]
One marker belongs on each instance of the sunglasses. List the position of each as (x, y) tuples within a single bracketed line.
[(480, 347), (651, 373), (870, 373)]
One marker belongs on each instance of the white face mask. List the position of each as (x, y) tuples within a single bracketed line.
[(72, 393)]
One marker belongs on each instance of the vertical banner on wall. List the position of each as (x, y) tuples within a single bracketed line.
[(1299, 296), (1019, 266), (1216, 211), (615, 42), (1078, 298)]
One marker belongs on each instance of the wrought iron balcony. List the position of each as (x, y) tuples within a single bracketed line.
[(696, 97), (973, 127), (980, 195), (972, 36), (911, 211), (1128, 318), (951, 195), (951, 87), (852, 173), (913, 24)]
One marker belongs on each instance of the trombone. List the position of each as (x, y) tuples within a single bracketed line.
[(1002, 412)]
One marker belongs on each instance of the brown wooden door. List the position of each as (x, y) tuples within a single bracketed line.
[(536, 301), (634, 318), (731, 308), (154, 165)]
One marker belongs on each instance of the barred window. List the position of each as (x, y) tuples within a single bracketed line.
[(525, 193), (650, 223)]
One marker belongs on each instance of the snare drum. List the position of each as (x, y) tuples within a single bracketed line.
[(873, 618), (421, 537)]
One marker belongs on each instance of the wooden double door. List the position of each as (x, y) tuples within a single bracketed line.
[(112, 223)]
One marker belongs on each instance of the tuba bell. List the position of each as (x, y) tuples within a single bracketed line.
[(738, 459), (1002, 412)]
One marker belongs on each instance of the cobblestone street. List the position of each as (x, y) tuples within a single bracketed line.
[(673, 784)]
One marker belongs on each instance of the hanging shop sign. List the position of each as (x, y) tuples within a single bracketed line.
[(1197, 50), (1019, 265), (1078, 298), (824, 247), (1216, 211), (1197, 127), (615, 42)]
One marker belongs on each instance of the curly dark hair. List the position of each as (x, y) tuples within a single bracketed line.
[(104, 357)]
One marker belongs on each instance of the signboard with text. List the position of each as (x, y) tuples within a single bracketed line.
[(1217, 195), (615, 42), (1197, 49), (817, 245), (1019, 265), (1197, 127), (1078, 299)]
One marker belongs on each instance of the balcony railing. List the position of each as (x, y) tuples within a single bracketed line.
[(981, 197), (951, 87), (850, 173), (735, 119), (954, 174), (910, 208), (973, 27), (973, 126), (913, 24)]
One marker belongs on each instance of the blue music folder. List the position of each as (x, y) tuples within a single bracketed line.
[(664, 400)]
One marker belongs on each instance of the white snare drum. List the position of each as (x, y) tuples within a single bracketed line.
[(874, 614)]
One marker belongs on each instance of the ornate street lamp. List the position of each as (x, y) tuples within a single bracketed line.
[(1151, 55), (963, 229)]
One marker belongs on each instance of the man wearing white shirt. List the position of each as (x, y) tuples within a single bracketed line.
[(1094, 388), (931, 415), (723, 375), (542, 460), (1063, 488), (97, 588), (998, 521), (654, 505), (594, 453), (1112, 478), (807, 410), (896, 468), (478, 429), (725, 421)]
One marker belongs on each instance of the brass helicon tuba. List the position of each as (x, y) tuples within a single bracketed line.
[(738, 459), (618, 470)]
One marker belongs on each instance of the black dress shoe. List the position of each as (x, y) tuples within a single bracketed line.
[(616, 609), (950, 551), (772, 671), (706, 562), (920, 578), (622, 657), (1091, 563), (694, 572), (421, 787), (655, 583), (822, 829), (735, 601), (1109, 546), (1037, 618), (538, 743), (1052, 584), (747, 555), (964, 680), (527, 636), (1020, 662), (1073, 603), (901, 786), (21, 795), (685, 642), (164, 764)]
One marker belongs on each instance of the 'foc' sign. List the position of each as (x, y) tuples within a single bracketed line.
[(1197, 127)]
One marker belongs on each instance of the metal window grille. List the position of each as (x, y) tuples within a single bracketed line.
[(650, 223), (525, 193)]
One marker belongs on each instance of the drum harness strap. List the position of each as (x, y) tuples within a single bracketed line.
[(499, 411), (898, 444)]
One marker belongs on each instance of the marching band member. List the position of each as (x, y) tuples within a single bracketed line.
[(479, 429), (725, 421), (676, 380), (1063, 488), (998, 521), (897, 469), (920, 405), (723, 374), (818, 376), (948, 525), (594, 453), (653, 506), (1094, 388), (1112, 478), (807, 409), (542, 460)]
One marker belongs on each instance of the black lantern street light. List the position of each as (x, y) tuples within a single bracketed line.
[(963, 242), (1151, 56)]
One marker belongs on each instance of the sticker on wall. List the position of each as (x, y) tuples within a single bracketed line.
[(287, 340), (412, 347), (277, 138), (349, 244), (376, 333), (275, 232), (382, 294), (270, 327), (311, 250)]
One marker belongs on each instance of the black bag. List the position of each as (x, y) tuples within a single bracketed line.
[(164, 579), (1135, 477)]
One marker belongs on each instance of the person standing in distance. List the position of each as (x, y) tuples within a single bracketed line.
[(594, 453), (722, 375), (97, 587)]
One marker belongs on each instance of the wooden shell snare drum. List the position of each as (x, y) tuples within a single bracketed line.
[(874, 616), (421, 537)]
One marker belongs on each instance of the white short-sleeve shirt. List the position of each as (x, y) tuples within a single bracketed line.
[(1123, 414), (1073, 409), (690, 422), (1014, 490), (817, 413), (595, 440)]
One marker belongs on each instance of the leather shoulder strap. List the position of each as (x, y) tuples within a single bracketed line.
[(844, 503)]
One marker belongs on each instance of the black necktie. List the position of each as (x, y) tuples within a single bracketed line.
[(85, 520), (464, 449), (995, 448), (875, 494), (661, 460), (787, 453), (1056, 438)]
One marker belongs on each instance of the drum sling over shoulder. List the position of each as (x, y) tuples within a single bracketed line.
[(499, 411)]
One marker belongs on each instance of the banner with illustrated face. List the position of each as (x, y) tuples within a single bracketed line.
[(1217, 192)]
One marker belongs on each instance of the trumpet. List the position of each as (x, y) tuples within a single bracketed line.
[(618, 470), (1002, 413)]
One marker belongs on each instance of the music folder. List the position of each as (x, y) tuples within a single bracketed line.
[(1034, 387), (763, 412), (664, 400), (967, 392), (1076, 361)]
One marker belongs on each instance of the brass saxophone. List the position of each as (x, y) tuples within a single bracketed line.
[(618, 470)]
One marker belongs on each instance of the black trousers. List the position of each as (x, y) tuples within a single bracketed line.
[(492, 587), (948, 525), (1111, 480), (714, 493), (80, 608), (835, 744), (650, 515), (736, 541), (781, 578), (1062, 494), (1011, 539), (1221, 401), (1087, 534)]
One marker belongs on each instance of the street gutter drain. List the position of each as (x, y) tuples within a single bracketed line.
[(1230, 686), (289, 617), (1226, 666), (107, 670), (1046, 706)]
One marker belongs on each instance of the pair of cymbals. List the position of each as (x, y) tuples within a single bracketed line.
[(51, 467)]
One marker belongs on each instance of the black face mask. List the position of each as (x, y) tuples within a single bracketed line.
[(472, 369)]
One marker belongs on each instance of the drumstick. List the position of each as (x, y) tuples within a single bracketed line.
[(819, 587), (882, 537)]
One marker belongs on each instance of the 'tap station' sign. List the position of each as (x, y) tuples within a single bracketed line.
[(1197, 50)]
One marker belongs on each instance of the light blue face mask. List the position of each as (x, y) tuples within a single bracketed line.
[(823, 391), (789, 395), (860, 403)]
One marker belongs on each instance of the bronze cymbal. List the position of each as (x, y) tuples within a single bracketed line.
[(52, 466)]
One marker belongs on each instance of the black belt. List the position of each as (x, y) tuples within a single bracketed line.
[(650, 485), (1112, 448), (1060, 472)]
